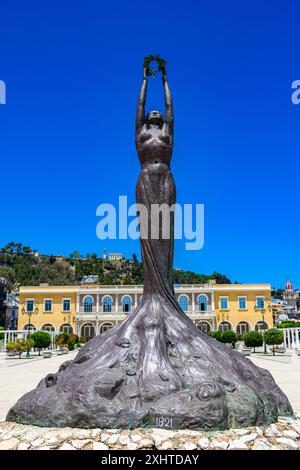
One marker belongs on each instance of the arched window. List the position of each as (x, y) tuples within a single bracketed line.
[(105, 326), (202, 303), (66, 328), (184, 302), (48, 327), (32, 327), (88, 304), (261, 326), (242, 327), (88, 331), (126, 304), (107, 304), (204, 327), (224, 326)]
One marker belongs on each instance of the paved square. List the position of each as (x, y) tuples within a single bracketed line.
[(286, 372), (19, 376)]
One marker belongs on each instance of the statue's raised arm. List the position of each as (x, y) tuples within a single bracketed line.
[(140, 112), (169, 113)]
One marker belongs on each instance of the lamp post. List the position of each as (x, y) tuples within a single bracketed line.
[(35, 311), (216, 322), (67, 319), (256, 308)]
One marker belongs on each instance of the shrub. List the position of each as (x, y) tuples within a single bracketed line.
[(1, 334), (61, 339), (20, 345), (10, 346), (75, 337), (273, 336), (289, 324), (228, 337), (253, 339), (41, 340), (216, 335), (71, 344)]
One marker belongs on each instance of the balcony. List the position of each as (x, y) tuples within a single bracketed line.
[(94, 311), (120, 315), (103, 316), (200, 315), (193, 287)]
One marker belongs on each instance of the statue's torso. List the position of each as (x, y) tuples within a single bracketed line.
[(154, 145)]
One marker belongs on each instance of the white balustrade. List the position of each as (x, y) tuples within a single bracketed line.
[(13, 335), (291, 338)]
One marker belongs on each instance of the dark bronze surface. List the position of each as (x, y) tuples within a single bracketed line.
[(156, 368)]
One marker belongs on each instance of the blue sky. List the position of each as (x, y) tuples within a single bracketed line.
[(73, 70)]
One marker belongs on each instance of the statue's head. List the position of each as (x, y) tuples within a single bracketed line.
[(155, 118)]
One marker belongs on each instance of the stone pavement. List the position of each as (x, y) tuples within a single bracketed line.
[(19, 376), (286, 372), (284, 435)]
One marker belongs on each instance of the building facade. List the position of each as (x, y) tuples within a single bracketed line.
[(291, 298), (115, 256), (90, 309), (3, 291), (12, 308), (9, 304)]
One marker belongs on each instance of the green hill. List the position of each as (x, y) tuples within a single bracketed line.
[(21, 266)]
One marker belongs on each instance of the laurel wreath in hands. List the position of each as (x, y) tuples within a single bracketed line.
[(160, 62)]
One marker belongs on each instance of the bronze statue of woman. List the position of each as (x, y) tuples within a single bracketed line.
[(154, 137), (156, 368)]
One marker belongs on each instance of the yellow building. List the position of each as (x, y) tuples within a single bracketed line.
[(243, 307), (49, 308), (89, 308)]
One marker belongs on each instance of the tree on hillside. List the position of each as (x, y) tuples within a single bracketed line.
[(127, 281), (18, 248), (277, 293), (32, 270), (220, 278), (75, 255), (9, 248)]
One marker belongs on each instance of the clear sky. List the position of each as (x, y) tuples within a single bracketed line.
[(73, 71)]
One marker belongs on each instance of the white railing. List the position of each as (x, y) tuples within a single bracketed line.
[(110, 288), (291, 338), (100, 315), (192, 286), (13, 335), (140, 287)]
